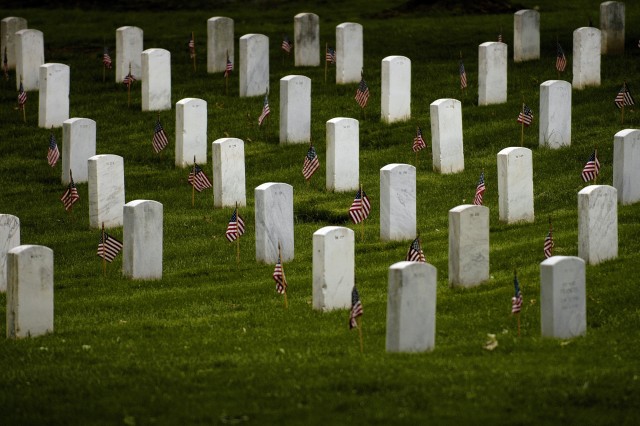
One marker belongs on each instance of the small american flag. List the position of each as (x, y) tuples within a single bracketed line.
[(106, 59), (311, 163), (228, 68), (548, 245), (480, 188), (624, 97), (463, 76), (5, 64), (160, 140), (415, 253), (279, 278), (516, 301), (108, 247), (418, 141), (286, 44), (235, 228), (198, 179), (22, 97), (592, 168), (356, 308), (561, 60), (360, 207), (70, 196), (362, 94), (265, 111), (526, 116), (129, 79), (500, 37), (53, 154), (330, 56), (192, 47)]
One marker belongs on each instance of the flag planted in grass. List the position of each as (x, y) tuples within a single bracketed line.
[(106, 59), (624, 97), (526, 115), (362, 94), (265, 110), (279, 278), (192, 47), (480, 188), (22, 97), (360, 207), (228, 68), (198, 179), (415, 253), (53, 153), (160, 140), (286, 44), (548, 245), (235, 228), (418, 141), (109, 247), (516, 301), (330, 55), (356, 308), (128, 79), (561, 60), (70, 196), (311, 163), (592, 168), (463, 76)]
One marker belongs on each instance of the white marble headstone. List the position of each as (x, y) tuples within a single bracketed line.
[(492, 73), (220, 43), (53, 107), (563, 304), (274, 221), (446, 136), (191, 131), (411, 307), (29, 291), (586, 57), (515, 185), (8, 28), (106, 190), (306, 29), (555, 114), (397, 202), (395, 93), (129, 42), (295, 109), (597, 223), (142, 245), (228, 172), (526, 35), (156, 80), (254, 65), (343, 151), (9, 238), (29, 49), (468, 245), (349, 52), (612, 17), (626, 165), (333, 267), (78, 145)]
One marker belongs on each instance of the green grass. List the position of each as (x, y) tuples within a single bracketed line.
[(210, 343)]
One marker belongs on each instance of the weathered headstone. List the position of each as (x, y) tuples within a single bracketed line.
[(492, 73), (586, 57), (515, 185), (254, 65), (446, 136), (397, 202), (612, 27), (395, 94), (343, 153), (29, 291), (29, 45), (526, 35), (129, 41), (78, 145), (597, 223), (333, 267), (142, 245), (8, 28), (274, 221), (306, 29), (9, 238), (228, 172), (156, 80), (563, 305), (468, 245), (295, 109), (191, 131), (53, 107), (220, 43), (411, 307), (349, 53), (626, 165), (106, 190), (555, 114)]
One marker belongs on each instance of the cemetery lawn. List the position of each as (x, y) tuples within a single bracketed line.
[(211, 342)]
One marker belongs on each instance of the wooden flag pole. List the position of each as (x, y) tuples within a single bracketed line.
[(226, 76), (129, 87), (362, 210), (286, 302), (622, 114), (70, 207), (551, 234), (515, 275), (104, 66), (193, 187), (194, 51), (238, 236), (326, 47), (522, 124), (595, 155), (359, 326), (104, 260)]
